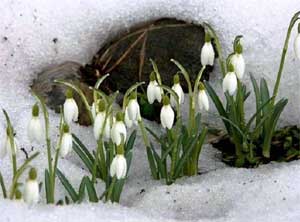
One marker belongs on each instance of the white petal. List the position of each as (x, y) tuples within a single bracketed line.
[(238, 62), (207, 54), (35, 130), (128, 121), (31, 192), (203, 100), (117, 130), (133, 109), (121, 167), (113, 167), (98, 124), (167, 116), (178, 89), (93, 110), (70, 110), (66, 144), (297, 46), (151, 92), (230, 83)]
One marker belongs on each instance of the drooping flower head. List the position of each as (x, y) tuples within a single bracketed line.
[(100, 120), (66, 141), (238, 61), (202, 98), (6, 145), (31, 189), (153, 90), (230, 81), (133, 108), (179, 91), (34, 129), (118, 165), (118, 130), (70, 108), (167, 114), (207, 51)]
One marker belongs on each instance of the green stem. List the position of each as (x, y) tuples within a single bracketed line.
[(111, 188), (283, 55)]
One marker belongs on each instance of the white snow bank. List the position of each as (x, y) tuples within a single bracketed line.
[(28, 32)]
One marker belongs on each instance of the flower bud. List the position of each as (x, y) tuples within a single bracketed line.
[(118, 167)]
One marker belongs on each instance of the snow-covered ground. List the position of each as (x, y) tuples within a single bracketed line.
[(27, 33)]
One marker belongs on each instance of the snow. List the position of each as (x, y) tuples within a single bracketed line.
[(28, 31)]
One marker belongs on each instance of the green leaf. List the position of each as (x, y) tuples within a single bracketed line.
[(185, 156), (257, 98), (3, 186), (47, 186), (272, 125), (152, 165), (83, 148), (200, 143), (218, 103), (69, 188), (81, 191), (85, 159), (130, 142), (117, 190), (159, 140), (91, 190)]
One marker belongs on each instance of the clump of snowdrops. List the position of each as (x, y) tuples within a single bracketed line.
[(180, 145)]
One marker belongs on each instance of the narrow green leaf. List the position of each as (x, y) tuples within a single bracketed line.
[(151, 162), (83, 148), (130, 142), (87, 162), (69, 188), (3, 186), (91, 190), (47, 187)]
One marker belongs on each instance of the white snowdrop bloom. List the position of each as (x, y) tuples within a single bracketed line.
[(207, 52), (179, 91), (202, 98), (6, 146), (238, 63), (66, 142), (99, 122), (230, 81), (154, 92), (31, 189), (118, 130), (70, 108), (297, 43), (118, 167), (34, 129), (167, 114), (133, 108), (129, 123)]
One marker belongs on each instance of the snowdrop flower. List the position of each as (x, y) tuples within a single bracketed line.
[(230, 81), (99, 122), (202, 98), (118, 130), (66, 141), (133, 108), (153, 90), (178, 89), (238, 61), (167, 114), (207, 52), (31, 190), (70, 108), (118, 167), (6, 146), (129, 123), (297, 43), (34, 129)]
